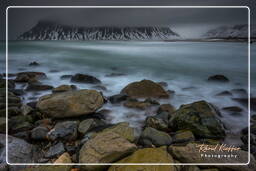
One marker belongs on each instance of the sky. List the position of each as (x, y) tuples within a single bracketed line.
[(189, 23)]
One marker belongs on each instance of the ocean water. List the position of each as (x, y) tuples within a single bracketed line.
[(180, 64)]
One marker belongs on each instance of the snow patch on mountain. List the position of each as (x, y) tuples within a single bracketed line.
[(226, 32)]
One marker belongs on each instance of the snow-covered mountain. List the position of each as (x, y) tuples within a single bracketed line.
[(230, 32), (46, 30)]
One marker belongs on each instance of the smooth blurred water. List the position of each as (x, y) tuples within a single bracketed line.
[(180, 64)]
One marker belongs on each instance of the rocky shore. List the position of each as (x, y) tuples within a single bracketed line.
[(71, 125)]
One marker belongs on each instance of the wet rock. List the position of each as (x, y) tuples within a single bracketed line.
[(115, 74), (218, 78), (64, 158), (25, 135), (34, 63), (166, 108), (190, 154), (55, 150), (12, 111), (232, 109), (11, 84), (117, 98), (20, 123), (199, 117), (152, 137), (63, 88), (224, 93), (89, 124), (106, 147), (100, 87), (158, 122), (2, 124), (137, 104), (38, 87), (163, 84), (244, 101), (66, 130), (39, 133), (25, 109), (183, 136), (189, 88), (32, 104), (145, 89), (26, 76), (124, 130), (240, 91), (19, 151), (83, 78), (146, 155), (64, 77), (71, 103)]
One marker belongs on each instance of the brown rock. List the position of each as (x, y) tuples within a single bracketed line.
[(71, 103), (145, 89)]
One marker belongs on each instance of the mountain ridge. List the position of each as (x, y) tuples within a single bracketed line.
[(48, 30)]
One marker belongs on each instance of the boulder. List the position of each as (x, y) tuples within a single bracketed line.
[(20, 123), (83, 78), (183, 136), (117, 98), (100, 87), (64, 77), (39, 133), (19, 151), (218, 78), (71, 103), (66, 130), (64, 158), (26, 76), (200, 118), (137, 104), (166, 108), (152, 137), (89, 124), (25, 109), (55, 150), (34, 63), (224, 93), (159, 121), (146, 155), (124, 130), (106, 147), (244, 102), (232, 109), (38, 87), (63, 88), (190, 154), (145, 89)]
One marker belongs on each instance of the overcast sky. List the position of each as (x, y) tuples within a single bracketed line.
[(189, 23)]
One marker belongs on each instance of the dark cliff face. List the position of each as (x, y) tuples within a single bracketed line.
[(45, 30)]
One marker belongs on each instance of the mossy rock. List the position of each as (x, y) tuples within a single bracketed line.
[(146, 155), (124, 130), (183, 136), (200, 118)]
